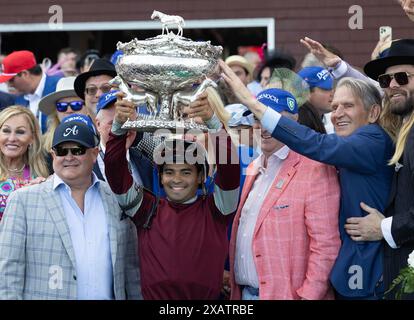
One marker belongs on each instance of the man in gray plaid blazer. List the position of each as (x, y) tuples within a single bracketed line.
[(66, 238)]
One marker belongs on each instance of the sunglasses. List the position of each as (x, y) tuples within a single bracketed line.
[(75, 151), (400, 77), (92, 90), (74, 105)]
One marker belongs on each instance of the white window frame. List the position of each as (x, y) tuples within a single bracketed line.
[(268, 23)]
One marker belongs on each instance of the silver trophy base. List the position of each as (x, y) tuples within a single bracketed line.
[(150, 124)]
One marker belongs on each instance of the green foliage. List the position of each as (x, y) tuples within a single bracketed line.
[(404, 282)]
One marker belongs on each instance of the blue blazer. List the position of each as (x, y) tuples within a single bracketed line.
[(6, 99), (50, 86), (361, 160)]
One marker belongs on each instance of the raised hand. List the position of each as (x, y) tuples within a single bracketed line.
[(36, 181), (329, 59), (236, 85), (124, 109), (199, 109), (240, 91), (408, 7), (381, 45)]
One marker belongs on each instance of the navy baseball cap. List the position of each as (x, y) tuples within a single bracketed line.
[(76, 128), (80, 118), (277, 99), (317, 77), (106, 100)]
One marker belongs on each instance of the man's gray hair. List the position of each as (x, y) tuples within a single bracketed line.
[(363, 90), (99, 115)]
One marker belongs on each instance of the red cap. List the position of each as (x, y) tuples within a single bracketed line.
[(16, 62)]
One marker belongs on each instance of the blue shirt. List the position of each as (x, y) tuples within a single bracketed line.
[(90, 239), (364, 175)]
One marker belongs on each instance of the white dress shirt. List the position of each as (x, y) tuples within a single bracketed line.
[(244, 268), (386, 232), (35, 98), (90, 239), (327, 122)]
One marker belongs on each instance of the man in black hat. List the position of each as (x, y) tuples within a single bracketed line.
[(274, 59), (395, 74), (92, 84)]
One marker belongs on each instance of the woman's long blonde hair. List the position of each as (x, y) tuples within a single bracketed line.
[(390, 122), (402, 138), (217, 105), (47, 138), (34, 155)]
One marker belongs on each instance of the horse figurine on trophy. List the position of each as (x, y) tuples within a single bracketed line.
[(168, 20)]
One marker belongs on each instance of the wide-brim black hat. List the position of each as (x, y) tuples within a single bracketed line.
[(400, 52), (278, 58), (98, 67)]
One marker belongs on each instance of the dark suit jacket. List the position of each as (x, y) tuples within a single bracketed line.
[(6, 99), (401, 208), (50, 86)]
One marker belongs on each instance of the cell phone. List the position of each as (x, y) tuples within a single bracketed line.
[(384, 31)]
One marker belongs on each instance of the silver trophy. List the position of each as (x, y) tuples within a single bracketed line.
[(165, 73)]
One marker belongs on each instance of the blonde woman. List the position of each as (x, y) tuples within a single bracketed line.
[(22, 159), (59, 104)]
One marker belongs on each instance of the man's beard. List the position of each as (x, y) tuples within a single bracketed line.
[(405, 107)]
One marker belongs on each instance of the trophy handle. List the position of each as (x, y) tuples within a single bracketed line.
[(188, 96), (150, 99)]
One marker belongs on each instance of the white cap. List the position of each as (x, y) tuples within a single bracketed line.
[(238, 118)]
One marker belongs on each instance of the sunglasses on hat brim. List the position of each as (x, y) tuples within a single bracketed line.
[(74, 105)]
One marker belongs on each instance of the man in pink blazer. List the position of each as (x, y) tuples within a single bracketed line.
[(285, 236)]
